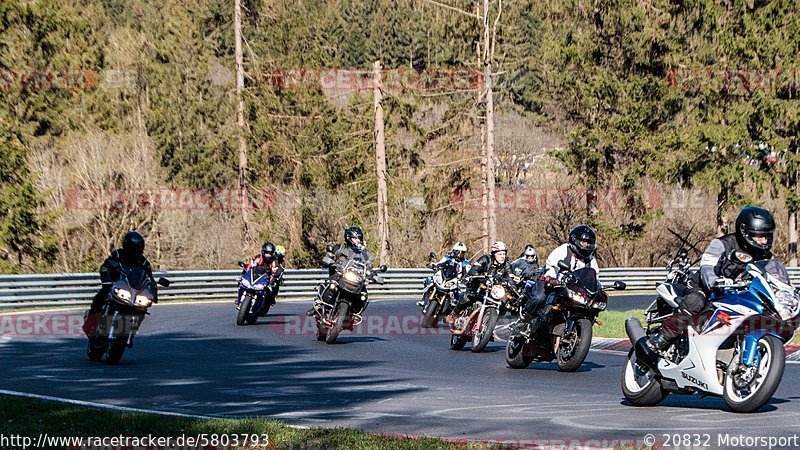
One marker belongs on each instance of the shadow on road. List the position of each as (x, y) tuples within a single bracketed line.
[(201, 374)]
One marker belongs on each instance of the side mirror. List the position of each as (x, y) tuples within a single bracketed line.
[(327, 262), (242, 265), (383, 268), (329, 248), (431, 255), (619, 285), (163, 282), (563, 266)]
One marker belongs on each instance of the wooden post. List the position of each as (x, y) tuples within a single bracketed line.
[(243, 189), (487, 79), (793, 214), (380, 164)]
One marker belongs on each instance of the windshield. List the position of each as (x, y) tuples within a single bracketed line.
[(136, 276), (585, 278)]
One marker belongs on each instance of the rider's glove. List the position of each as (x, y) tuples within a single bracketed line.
[(551, 282)]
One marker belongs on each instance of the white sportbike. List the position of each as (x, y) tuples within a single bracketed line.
[(736, 352)]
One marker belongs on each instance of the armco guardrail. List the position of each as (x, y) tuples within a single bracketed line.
[(78, 288)]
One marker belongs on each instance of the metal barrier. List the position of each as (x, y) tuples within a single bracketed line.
[(78, 288)]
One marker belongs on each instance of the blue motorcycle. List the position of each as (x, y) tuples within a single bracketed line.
[(255, 295)]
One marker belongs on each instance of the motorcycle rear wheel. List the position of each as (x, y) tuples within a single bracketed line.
[(640, 387), (515, 354)]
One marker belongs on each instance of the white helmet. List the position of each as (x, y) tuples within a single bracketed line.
[(459, 250), (499, 247)]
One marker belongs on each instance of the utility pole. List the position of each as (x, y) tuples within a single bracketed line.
[(243, 189), (380, 164)]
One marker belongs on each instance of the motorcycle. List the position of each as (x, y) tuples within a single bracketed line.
[(440, 294), (477, 323), (735, 351), (255, 296), (349, 298), (128, 302), (566, 336)]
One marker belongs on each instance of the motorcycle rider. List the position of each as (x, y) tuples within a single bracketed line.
[(456, 258), (131, 254), (755, 228), (526, 266), (267, 262), (578, 252), (278, 269), (353, 248), (493, 264)]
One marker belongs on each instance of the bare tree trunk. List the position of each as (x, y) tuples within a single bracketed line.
[(243, 189), (722, 222), (487, 79), (380, 164), (793, 239)]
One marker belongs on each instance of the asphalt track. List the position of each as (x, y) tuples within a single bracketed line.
[(390, 377)]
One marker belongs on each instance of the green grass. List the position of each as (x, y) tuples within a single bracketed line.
[(614, 324), (26, 417)]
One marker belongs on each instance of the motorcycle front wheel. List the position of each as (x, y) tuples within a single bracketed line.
[(431, 316), (338, 323), (244, 309), (96, 348), (484, 335), (573, 348), (748, 392)]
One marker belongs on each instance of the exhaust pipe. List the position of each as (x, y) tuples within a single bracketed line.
[(634, 329)]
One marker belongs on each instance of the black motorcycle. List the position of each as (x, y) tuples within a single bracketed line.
[(566, 336), (441, 292), (349, 297), (128, 301)]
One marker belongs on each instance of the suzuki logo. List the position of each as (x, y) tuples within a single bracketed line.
[(694, 380)]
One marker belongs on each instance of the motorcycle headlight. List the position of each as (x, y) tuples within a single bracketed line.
[(141, 300), (245, 283), (352, 277), (258, 287), (786, 303), (498, 292), (123, 294), (576, 297), (599, 305)]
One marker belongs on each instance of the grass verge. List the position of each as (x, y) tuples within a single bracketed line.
[(614, 324), (31, 417)]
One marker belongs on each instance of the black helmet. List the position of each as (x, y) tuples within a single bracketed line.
[(133, 245), (754, 221), (583, 233), (268, 249), (351, 233)]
